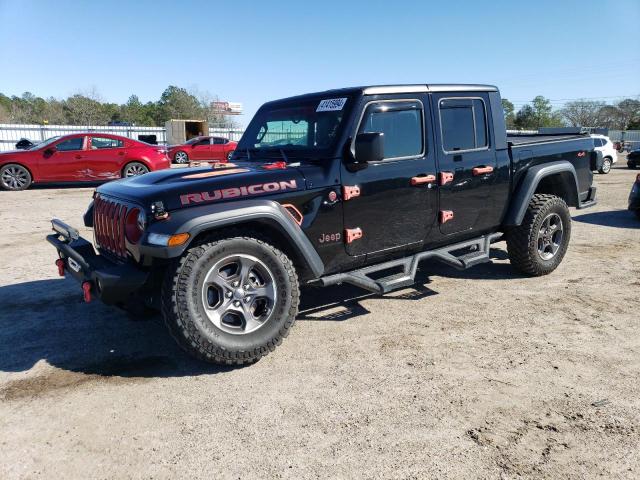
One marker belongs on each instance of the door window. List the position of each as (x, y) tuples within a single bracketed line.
[(203, 143), (402, 126), (219, 141), (98, 143), (71, 144), (463, 124)]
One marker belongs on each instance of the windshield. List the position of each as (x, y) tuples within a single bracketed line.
[(307, 128), (48, 141)]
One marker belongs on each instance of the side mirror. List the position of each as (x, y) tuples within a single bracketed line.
[(369, 147), (48, 152)]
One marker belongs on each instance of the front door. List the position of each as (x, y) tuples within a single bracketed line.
[(466, 160), (391, 203), (67, 162), (201, 150)]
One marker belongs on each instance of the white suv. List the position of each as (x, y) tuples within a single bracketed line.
[(610, 156)]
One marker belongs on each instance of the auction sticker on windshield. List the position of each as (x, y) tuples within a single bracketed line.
[(331, 104)]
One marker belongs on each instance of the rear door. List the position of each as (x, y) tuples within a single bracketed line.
[(218, 148), (393, 202), (104, 157), (466, 160)]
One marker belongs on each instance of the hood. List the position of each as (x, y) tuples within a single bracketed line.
[(184, 187)]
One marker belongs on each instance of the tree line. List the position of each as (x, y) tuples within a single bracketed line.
[(88, 109), (622, 115), (175, 102)]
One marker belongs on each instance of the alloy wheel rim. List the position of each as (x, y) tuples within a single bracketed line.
[(550, 236), (14, 178), (606, 166), (238, 294), (135, 170), (181, 157)]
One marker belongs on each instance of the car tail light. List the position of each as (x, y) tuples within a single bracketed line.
[(133, 228)]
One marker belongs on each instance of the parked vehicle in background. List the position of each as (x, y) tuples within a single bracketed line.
[(609, 154), (329, 188), (80, 157), (203, 148), (633, 158), (634, 197), (24, 144)]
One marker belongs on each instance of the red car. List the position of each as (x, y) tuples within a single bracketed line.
[(80, 157), (203, 148)]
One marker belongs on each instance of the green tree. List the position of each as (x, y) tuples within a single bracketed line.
[(176, 102), (509, 115)]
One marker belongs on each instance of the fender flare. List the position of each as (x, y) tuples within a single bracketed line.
[(195, 220), (525, 191)]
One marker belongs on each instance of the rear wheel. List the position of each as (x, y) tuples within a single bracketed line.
[(181, 157), (538, 245), (15, 177), (631, 165), (606, 166), (229, 155), (231, 301), (134, 169)]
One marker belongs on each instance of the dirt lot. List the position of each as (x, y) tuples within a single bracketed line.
[(476, 374)]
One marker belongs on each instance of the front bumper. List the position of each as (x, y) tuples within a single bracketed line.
[(110, 282)]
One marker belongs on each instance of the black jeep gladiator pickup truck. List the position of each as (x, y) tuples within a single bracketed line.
[(357, 185)]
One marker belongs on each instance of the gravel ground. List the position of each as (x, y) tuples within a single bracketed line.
[(475, 374)]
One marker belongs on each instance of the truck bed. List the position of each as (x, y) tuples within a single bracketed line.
[(517, 140)]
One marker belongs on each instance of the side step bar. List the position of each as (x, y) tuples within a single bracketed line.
[(360, 278)]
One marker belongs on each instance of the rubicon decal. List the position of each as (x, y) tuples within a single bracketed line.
[(235, 192)]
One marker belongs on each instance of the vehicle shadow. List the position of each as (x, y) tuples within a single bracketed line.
[(47, 320), (613, 218)]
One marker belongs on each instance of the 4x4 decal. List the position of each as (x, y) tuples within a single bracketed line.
[(234, 192)]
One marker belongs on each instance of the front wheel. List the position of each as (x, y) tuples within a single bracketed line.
[(631, 165), (134, 169), (229, 155), (15, 177), (231, 301), (606, 166), (538, 245)]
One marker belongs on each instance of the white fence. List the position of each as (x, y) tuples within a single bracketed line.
[(11, 133)]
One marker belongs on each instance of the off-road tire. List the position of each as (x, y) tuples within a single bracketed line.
[(184, 315), (606, 166), (522, 241)]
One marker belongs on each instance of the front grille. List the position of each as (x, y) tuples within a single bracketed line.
[(109, 219)]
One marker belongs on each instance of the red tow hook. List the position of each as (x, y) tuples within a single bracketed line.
[(60, 265), (86, 291)]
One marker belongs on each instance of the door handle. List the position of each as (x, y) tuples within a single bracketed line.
[(78, 157), (120, 153), (482, 170), (420, 180)]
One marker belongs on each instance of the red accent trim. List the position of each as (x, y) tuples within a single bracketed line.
[(60, 265), (445, 216), (582, 154), (422, 180), (86, 291), (349, 192), (482, 170), (446, 177), (294, 212), (275, 166), (352, 234)]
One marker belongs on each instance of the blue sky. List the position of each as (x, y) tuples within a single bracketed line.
[(252, 52)]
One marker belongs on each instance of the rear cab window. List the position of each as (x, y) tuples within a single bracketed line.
[(463, 124)]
